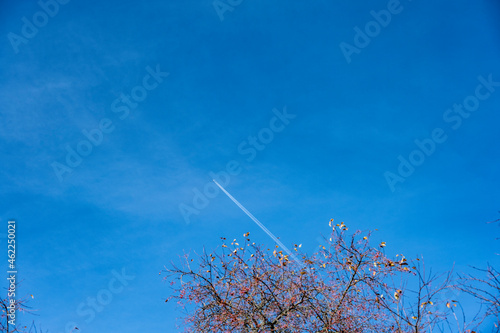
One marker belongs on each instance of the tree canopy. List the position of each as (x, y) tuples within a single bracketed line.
[(346, 286)]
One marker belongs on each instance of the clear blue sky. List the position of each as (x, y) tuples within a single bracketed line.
[(355, 103)]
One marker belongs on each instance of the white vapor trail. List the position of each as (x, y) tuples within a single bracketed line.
[(261, 225)]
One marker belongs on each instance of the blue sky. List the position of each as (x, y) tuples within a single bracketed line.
[(119, 210)]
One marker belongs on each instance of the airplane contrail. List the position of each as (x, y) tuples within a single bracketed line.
[(261, 225)]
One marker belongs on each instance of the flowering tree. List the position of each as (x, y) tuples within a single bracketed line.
[(347, 286)]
